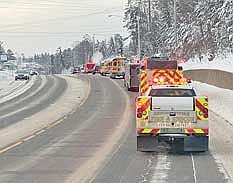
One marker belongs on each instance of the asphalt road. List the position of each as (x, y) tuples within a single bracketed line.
[(13, 111), (55, 154), (127, 165)]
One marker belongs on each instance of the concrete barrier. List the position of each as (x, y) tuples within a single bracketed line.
[(217, 78)]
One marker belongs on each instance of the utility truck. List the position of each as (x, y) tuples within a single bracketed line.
[(169, 113)]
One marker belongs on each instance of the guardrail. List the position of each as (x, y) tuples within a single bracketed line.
[(217, 78)]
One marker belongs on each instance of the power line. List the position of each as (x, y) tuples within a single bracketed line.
[(55, 19)]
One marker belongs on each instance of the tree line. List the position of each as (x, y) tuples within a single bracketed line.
[(183, 27)]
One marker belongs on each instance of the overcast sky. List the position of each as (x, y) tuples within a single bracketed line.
[(32, 26)]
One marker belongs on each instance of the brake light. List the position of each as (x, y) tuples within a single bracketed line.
[(139, 113), (188, 80), (143, 107), (201, 106)]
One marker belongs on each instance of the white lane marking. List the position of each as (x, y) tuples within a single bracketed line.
[(194, 169), (161, 169)]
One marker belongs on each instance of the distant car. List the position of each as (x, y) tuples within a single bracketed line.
[(34, 73), (21, 75), (76, 70)]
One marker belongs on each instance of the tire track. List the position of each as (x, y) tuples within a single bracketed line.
[(53, 89), (16, 99)]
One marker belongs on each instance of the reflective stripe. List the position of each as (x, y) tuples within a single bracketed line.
[(197, 131), (148, 131), (172, 77), (201, 108), (144, 86)]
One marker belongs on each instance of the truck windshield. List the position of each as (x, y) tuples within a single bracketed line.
[(170, 92)]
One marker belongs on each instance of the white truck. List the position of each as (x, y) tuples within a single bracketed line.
[(171, 116)]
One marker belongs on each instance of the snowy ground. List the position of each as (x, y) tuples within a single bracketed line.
[(220, 100), (224, 63), (6, 75)]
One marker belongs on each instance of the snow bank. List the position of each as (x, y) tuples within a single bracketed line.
[(220, 100), (224, 63), (6, 75)]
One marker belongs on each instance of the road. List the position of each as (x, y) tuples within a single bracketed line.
[(55, 154), (84, 146), (128, 165)]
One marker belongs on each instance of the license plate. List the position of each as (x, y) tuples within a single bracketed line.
[(163, 119), (173, 125)]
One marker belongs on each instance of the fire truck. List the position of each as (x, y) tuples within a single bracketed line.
[(89, 67), (169, 113)]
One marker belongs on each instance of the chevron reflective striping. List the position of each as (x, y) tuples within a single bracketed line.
[(172, 77), (143, 107), (201, 108), (143, 83), (197, 131), (153, 131)]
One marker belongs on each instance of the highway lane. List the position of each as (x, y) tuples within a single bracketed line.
[(55, 154), (34, 87), (15, 111), (128, 165)]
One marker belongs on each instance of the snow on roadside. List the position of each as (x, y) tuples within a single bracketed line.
[(6, 75), (220, 100), (6, 81), (224, 63)]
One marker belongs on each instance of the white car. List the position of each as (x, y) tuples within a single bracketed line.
[(22, 75)]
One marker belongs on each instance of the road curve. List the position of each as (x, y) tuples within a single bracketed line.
[(64, 152), (24, 105), (55, 154)]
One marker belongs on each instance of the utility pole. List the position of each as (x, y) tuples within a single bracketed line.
[(149, 7), (139, 39), (93, 39), (175, 24), (139, 36)]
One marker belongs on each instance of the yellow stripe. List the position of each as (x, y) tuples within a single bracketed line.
[(198, 131), (147, 130), (204, 103)]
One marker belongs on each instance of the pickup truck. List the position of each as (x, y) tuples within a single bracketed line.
[(172, 118)]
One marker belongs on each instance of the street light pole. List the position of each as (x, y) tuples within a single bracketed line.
[(175, 25), (93, 39), (139, 39)]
